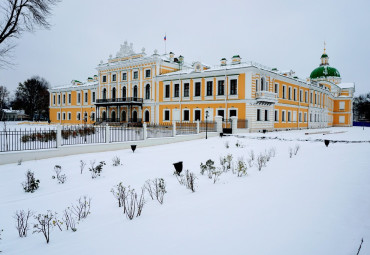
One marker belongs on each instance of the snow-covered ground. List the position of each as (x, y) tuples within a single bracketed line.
[(316, 202)]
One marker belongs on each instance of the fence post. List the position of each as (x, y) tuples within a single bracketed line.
[(234, 124), (145, 131), (218, 120), (198, 127), (59, 136), (107, 133), (174, 128)]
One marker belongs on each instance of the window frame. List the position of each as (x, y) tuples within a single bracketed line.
[(183, 114)]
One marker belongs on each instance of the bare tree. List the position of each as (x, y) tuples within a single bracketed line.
[(45, 224), (22, 218), (4, 98), (21, 16)]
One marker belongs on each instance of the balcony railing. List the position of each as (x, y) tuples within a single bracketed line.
[(120, 100), (266, 96)]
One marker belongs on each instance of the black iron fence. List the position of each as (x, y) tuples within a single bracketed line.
[(210, 126), (85, 134), (186, 128), (31, 139), (159, 130), (120, 100), (126, 133)]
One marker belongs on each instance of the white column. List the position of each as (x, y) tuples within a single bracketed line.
[(107, 134), (198, 127), (59, 136), (145, 131), (234, 124), (218, 120), (174, 128)]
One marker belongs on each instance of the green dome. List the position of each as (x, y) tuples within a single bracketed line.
[(324, 55), (324, 71)]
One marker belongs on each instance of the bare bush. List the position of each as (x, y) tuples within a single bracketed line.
[(69, 220), (96, 170), (60, 177), (226, 162), (290, 152), (215, 174), (20, 162), (267, 156), (82, 165), (44, 224), (241, 168), (116, 161), (252, 155), (22, 218), (296, 149), (261, 161), (133, 203), (272, 152), (227, 146), (156, 188), (31, 184), (190, 180), (119, 192), (82, 209), (250, 162), (238, 144)]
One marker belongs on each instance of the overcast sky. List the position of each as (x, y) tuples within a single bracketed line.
[(285, 34)]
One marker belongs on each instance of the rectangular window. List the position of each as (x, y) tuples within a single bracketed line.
[(69, 116), (197, 114), (197, 89), (104, 78), (258, 115), (315, 98), (300, 117), (54, 99), (221, 86), (276, 117), (277, 88), (86, 97), (266, 115), (284, 92), (64, 98), (78, 116), (305, 117), (147, 73), (167, 91), (64, 116), (177, 90), (289, 116), (58, 99), (290, 93), (256, 85), (186, 116), (306, 97), (69, 98), (283, 116), (114, 77), (93, 96), (124, 76), (341, 105), (300, 96), (209, 88), (233, 87), (233, 113), (295, 95), (186, 89), (78, 98), (58, 116), (311, 98), (167, 115), (221, 113), (136, 74)]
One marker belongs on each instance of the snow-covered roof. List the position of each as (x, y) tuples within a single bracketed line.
[(71, 85), (346, 85)]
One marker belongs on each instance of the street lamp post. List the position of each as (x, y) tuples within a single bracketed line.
[(206, 125)]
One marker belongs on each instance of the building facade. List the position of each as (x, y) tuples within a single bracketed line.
[(135, 88)]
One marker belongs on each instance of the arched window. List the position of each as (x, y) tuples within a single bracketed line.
[(262, 84), (123, 116), (147, 91), (146, 116), (257, 88), (114, 93), (124, 92), (113, 116), (104, 115), (104, 93), (92, 116), (134, 116), (85, 116), (135, 91)]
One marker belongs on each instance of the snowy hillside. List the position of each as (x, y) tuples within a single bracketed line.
[(316, 202)]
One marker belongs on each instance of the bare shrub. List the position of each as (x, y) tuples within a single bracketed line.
[(82, 209), (60, 177), (267, 156), (119, 192), (238, 144), (296, 149), (156, 188), (272, 152), (190, 180), (57, 222), (250, 162), (31, 184), (180, 178), (22, 218), (227, 146), (290, 152), (241, 168), (252, 155), (44, 224), (116, 161), (215, 174), (226, 162), (261, 161), (20, 162), (82, 165), (96, 170), (133, 203), (69, 220)]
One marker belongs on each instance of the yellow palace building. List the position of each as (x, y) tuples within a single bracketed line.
[(135, 87)]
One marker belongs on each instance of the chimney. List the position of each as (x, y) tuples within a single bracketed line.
[(223, 61), (172, 56), (235, 60)]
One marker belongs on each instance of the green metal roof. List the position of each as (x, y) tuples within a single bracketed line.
[(324, 71), (236, 56), (324, 55)]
